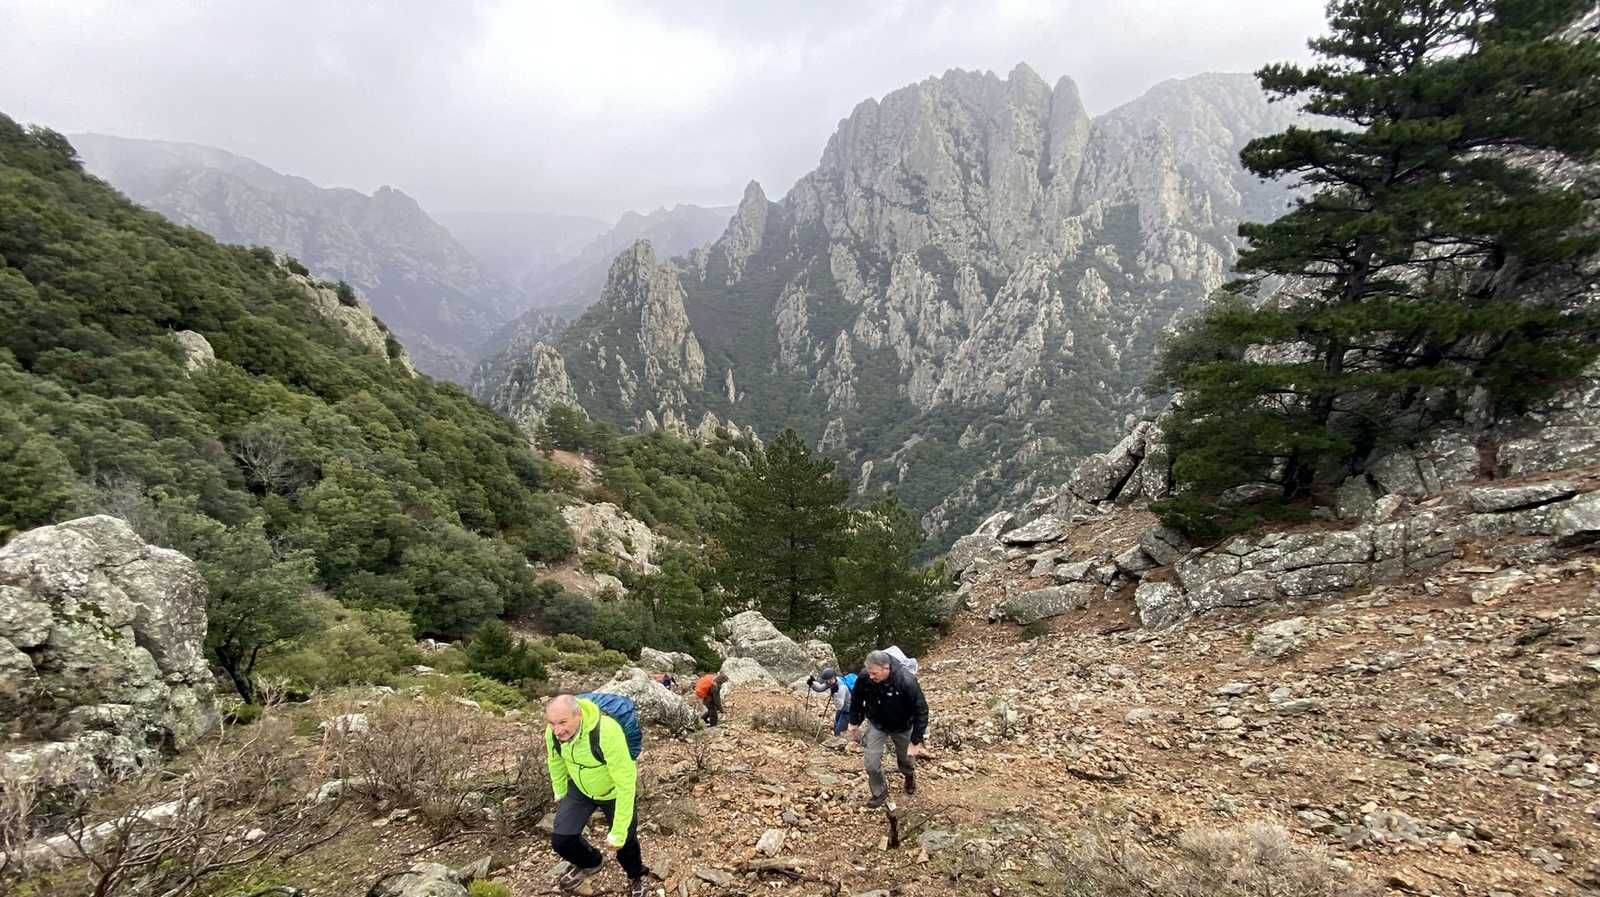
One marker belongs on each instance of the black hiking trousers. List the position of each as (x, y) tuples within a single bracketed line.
[(573, 815)]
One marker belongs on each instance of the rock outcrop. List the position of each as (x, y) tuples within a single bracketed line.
[(606, 529), (524, 385), (102, 641), (666, 661), (970, 248), (1407, 512), (197, 351), (354, 315), (752, 636)]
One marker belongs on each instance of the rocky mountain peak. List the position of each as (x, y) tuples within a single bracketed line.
[(960, 299), (745, 230)]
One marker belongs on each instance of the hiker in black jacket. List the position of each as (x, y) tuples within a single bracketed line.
[(889, 699)]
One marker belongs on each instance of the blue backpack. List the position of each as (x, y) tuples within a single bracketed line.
[(621, 709), (849, 680)]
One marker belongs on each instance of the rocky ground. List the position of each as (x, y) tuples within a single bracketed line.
[(1438, 735)]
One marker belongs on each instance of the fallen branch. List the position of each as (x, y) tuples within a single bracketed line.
[(788, 868)]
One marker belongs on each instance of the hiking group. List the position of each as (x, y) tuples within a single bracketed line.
[(593, 742)]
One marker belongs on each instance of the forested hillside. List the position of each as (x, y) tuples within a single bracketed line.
[(297, 458)]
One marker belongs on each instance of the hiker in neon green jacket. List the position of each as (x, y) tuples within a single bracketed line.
[(583, 784)]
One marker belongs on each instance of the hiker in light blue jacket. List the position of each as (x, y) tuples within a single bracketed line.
[(839, 687)]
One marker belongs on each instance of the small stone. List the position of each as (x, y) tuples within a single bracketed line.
[(771, 842)]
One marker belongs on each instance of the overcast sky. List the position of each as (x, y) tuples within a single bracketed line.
[(586, 106)]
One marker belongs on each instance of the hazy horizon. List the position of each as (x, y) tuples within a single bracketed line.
[(561, 109)]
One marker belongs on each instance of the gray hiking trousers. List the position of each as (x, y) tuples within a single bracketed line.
[(873, 739)]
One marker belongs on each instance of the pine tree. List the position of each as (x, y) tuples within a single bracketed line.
[(1426, 263), (786, 532), (882, 598), (496, 652)]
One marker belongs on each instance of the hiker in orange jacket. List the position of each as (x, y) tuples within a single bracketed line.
[(709, 691)]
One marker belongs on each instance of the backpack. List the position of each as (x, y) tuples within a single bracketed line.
[(910, 663), (621, 709), (849, 680)]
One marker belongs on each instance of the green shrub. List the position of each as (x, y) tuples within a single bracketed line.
[(244, 714), (497, 653), (490, 694), (599, 563), (295, 266), (620, 625), (573, 644), (1036, 629), (483, 888), (570, 614), (345, 646)]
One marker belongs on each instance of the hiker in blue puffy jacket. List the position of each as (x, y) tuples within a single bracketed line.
[(583, 783), (831, 683), (889, 700)]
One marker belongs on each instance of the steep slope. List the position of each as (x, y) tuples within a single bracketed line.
[(962, 297), (260, 420), (423, 282)]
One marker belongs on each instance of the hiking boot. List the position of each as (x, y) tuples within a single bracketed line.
[(878, 803), (638, 888), (911, 783), (575, 877)]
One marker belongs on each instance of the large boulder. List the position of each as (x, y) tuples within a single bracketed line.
[(1578, 521), (666, 661), (425, 880), (655, 702), (102, 641), (1039, 604), (822, 655), (745, 671), (969, 551), (752, 635), (1160, 604)]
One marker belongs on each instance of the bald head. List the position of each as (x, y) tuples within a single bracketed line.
[(564, 716)]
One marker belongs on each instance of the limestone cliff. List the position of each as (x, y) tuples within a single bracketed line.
[(963, 296)]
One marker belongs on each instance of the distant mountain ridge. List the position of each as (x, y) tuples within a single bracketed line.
[(439, 300), (960, 300)]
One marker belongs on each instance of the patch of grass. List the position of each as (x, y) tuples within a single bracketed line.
[(1036, 629), (488, 889)]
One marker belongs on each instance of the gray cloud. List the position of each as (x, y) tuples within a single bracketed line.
[(589, 107)]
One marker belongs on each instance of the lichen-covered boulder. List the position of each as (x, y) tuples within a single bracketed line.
[(752, 635), (666, 661), (102, 641), (655, 702), (1052, 601), (745, 671)]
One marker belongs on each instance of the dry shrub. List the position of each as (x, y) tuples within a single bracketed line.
[(790, 719), (523, 790), (234, 802), (1257, 860), (425, 754)]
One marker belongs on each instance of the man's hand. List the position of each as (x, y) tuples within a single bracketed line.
[(855, 733), (916, 751)]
